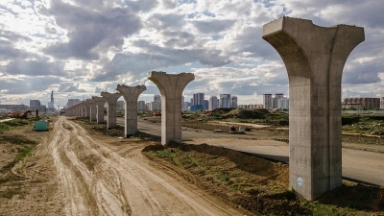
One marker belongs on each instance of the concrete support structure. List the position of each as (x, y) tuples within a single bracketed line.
[(111, 99), (99, 101), (171, 87), (314, 57), (130, 94), (92, 109), (84, 112)]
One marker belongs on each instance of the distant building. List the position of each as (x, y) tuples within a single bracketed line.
[(361, 103), (251, 106), (120, 105), (283, 103), (233, 102), (382, 103), (155, 106), (225, 101), (213, 103), (185, 106), (72, 102), (34, 104), (206, 104), (141, 106), (275, 100), (13, 107), (267, 101), (196, 108), (198, 99), (51, 104), (157, 98)]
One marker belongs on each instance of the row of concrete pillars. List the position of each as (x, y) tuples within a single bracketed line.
[(314, 57), (171, 87)]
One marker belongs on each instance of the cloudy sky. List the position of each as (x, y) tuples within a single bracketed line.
[(78, 48)]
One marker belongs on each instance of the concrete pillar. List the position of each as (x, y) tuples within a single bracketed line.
[(130, 94), (78, 110), (91, 109), (86, 109), (99, 101), (171, 87), (111, 99), (314, 57), (82, 114)]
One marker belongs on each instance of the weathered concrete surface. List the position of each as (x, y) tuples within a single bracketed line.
[(314, 57), (111, 99), (99, 101), (130, 94), (171, 87)]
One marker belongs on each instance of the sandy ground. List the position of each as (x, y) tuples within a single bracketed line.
[(106, 176)]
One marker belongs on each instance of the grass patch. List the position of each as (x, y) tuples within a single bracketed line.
[(8, 125), (167, 154), (23, 153), (17, 139)]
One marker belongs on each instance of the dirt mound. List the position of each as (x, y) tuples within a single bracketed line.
[(240, 178)]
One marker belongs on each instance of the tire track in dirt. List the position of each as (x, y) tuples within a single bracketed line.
[(74, 203), (148, 191), (101, 179), (95, 190)]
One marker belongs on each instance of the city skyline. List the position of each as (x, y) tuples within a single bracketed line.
[(45, 47)]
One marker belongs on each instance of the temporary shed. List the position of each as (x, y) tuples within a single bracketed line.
[(41, 125)]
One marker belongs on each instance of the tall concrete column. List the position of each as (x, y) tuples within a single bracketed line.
[(111, 99), (130, 94), (314, 57), (86, 109), (78, 110), (99, 101), (83, 110), (171, 87), (92, 109)]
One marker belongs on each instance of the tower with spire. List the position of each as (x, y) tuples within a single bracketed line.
[(51, 104)]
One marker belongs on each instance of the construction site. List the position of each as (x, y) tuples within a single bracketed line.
[(311, 161)]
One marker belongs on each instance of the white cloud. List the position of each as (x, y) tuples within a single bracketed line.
[(81, 47)]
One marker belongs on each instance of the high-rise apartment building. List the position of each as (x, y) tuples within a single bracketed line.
[(156, 106), (34, 104), (277, 102), (233, 102), (225, 101), (213, 103), (198, 99), (157, 98), (268, 101), (120, 105), (141, 106), (206, 104), (275, 99), (282, 103)]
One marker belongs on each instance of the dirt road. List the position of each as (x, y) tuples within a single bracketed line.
[(358, 165), (100, 177)]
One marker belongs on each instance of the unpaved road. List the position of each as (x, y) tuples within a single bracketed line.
[(358, 165), (98, 177)]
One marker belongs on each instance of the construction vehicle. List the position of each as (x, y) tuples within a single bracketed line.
[(19, 114)]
